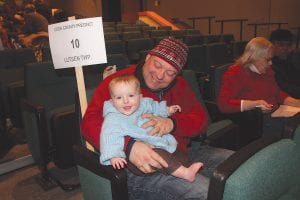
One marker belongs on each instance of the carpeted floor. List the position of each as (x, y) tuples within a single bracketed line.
[(22, 185)]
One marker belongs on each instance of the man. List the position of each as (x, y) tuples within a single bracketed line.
[(35, 26), (286, 72), (160, 80)]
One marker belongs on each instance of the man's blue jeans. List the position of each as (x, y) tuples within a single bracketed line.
[(158, 186)]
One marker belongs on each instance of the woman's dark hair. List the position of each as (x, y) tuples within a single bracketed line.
[(281, 35)]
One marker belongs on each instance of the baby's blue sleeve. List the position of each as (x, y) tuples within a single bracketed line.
[(111, 141)]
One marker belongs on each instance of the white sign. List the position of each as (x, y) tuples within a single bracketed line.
[(77, 43)]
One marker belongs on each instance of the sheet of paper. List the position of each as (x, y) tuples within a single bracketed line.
[(285, 111), (77, 43)]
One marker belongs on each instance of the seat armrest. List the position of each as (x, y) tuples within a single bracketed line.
[(90, 160), (250, 125), (225, 137), (225, 169), (291, 125), (214, 111), (31, 107)]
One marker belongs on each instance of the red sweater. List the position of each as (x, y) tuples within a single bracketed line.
[(190, 122), (240, 83)]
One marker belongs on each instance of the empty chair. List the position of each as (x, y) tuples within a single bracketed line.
[(145, 30), (135, 46), (158, 33), (12, 63), (131, 35), (115, 47), (268, 168), (111, 36), (119, 27), (238, 48), (131, 29), (164, 28), (227, 38), (211, 39), (47, 117), (106, 24), (192, 32), (214, 83), (179, 34), (14, 58), (109, 29), (191, 40), (120, 60), (196, 59), (93, 75), (217, 54)]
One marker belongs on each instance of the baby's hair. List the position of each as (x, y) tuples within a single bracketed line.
[(125, 78)]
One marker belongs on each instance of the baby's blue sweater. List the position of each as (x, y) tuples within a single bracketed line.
[(116, 126)]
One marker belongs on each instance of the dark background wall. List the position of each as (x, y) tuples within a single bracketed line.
[(256, 11)]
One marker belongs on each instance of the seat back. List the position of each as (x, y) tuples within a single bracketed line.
[(93, 74), (131, 29), (267, 174), (196, 39), (135, 46), (238, 48), (145, 30), (51, 92), (43, 84), (111, 36), (158, 33), (212, 39), (115, 46), (12, 62), (192, 32), (11, 58), (179, 34), (190, 76), (217, 54), (131, 35), (120, 60), (262, 170), (212, 87), (196, 59), (227, 38)]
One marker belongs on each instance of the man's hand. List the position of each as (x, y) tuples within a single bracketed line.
[(161, 125), (145, 159)]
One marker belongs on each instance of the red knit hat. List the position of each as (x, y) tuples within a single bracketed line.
[(171, 50)]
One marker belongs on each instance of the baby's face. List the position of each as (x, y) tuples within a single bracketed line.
[(125, 98)]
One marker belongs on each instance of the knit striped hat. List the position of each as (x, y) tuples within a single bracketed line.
[(171, 50)]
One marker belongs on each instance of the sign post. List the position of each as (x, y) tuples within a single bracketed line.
[(77, 43)]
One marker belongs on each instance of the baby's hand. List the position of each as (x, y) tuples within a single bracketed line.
[(174, 109), (118, 163), (109, 70)]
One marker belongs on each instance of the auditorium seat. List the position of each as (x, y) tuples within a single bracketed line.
[(48, 121), (135, 46)]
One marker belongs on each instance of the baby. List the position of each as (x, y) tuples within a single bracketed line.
[(123, 117)]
